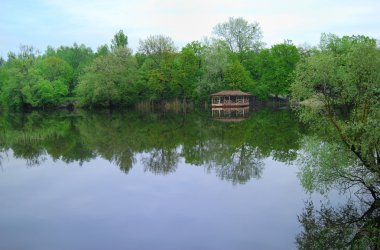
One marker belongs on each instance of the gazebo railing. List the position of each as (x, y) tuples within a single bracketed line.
[(230, 100)]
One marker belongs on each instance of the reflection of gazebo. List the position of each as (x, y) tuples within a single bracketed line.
[(230, 114), (230, 98)]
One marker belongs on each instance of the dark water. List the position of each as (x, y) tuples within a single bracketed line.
[(139, 180)]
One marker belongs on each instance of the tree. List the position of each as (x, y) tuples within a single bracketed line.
[(3, 81), (44, 93), (215, 61), (119, 40), (341, 45), (156, 46), (35, 82), (240, 35), (188, 70), (284, 57), (78, 56), (20, 69), (237, 77), (109, 80), (263, 68), (157, 55), (102, 50), (158, 79), (341, 85), (47, 83), (51, 83), (53, 68), (273, 69)]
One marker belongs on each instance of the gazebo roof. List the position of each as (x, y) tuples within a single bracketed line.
[(231, 93)]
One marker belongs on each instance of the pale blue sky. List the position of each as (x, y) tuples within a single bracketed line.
[(94, 22)]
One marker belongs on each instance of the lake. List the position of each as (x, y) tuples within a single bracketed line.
[(150, 180)]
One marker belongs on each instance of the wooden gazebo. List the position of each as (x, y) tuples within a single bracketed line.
[(230, 98)]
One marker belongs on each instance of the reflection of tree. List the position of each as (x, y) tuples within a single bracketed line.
[(32, 136), (124, 159), (353, 225), (70, 146), (161, 161), (241, 146), (276, 133), (33, 155), (243, 164), (109, 136), (164, 156), (232, 151)]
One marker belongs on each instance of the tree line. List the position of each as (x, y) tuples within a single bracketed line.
[(113, 75), (235, 58)]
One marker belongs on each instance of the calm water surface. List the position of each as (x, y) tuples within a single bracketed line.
[(140, 180)]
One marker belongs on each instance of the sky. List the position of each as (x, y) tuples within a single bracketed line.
[(94, 22)]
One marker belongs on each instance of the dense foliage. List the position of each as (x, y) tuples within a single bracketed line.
[(109, 80), (159, 71), (338, 85), (234, 59)]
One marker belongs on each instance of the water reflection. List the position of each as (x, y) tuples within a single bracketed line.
[(161, 160), (234, 151), (353, 224), (235, 114)]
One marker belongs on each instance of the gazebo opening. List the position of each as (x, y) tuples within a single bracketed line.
[(230, 98)]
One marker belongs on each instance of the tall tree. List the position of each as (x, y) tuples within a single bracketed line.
[(284, 57), (157, 55), (240, 35), (156, 46), (342, 89), (119, 40), (216, 59), (188, 70)]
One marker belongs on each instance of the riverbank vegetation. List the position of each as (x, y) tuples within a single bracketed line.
[(114, 75), (234, 58)]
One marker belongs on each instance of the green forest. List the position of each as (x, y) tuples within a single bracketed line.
[(114, 75)]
